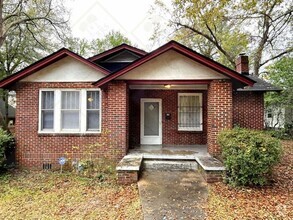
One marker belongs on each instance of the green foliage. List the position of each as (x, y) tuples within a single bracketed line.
[(112, 39), (84, 47), (280, 74), (281, 133), (248, 155), (6, 141)]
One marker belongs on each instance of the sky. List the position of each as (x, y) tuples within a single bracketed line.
[(92, 19)]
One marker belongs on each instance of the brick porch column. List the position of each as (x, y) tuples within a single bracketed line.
[(118, 118), (219, 112)]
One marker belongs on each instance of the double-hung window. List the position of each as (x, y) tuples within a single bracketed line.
[(70, 111), (189, 111)]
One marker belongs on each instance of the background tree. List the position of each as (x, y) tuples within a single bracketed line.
[(32, 15), (112, 39), (87, 48), (260, 27), (280, 73), (29, 30)]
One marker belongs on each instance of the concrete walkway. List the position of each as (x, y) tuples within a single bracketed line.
[(172, 195)]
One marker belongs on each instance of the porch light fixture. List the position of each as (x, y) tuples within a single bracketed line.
[(167, 86)]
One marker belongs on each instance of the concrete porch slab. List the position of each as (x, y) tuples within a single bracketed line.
[(130, 163), (170, 152), (209, 163)]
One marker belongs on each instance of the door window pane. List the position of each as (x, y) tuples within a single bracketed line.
[(151, 119)]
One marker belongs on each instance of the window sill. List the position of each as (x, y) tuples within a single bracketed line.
[(69, 134), (189, 131)]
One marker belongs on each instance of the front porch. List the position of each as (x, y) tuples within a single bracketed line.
[(169, 152), (175, 157)]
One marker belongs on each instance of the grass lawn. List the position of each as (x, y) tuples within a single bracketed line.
[(51, 195), (271, 202)]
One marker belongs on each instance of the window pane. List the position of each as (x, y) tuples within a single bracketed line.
[(93, 120), (70, 120), (93, 100), (70, 100), (93, 107), (47, 119), (47, 100), (47, 110), (151, 119), (189, 112)]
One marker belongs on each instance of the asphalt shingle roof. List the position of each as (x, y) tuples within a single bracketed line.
[(260, 85)]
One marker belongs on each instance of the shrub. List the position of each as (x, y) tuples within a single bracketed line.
[(6, 141), (280, 133), (248, 155)]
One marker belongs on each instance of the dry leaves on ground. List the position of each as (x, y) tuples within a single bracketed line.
[(49, 195), (270, 202)]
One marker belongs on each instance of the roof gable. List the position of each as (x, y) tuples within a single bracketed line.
[(52, 58), (65, 70), (108, 53), (172, 65), (123, 56), (172, 45)]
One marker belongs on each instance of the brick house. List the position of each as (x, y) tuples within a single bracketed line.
[(125, 97)]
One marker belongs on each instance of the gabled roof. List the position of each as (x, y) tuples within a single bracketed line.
[(116, 50), (46, 61), (173, 45)]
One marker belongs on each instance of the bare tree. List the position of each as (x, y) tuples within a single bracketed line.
[(32, 15)]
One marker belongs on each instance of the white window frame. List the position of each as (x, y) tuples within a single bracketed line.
[(57, 113), (200, 128)]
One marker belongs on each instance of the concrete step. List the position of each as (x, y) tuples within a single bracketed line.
[(179, 165)]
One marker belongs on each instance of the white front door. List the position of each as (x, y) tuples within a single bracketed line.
[(151, 121)]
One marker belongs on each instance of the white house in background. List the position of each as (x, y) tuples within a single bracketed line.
[(275, 117)]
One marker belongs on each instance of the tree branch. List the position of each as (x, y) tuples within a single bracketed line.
[(214, 41), (277, 56)]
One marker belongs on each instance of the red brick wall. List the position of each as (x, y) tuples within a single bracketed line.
[(33, 149), (171, 135), (219, 112), (248, 109)]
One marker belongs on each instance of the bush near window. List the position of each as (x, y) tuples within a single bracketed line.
[(6, 141), (249, 156)]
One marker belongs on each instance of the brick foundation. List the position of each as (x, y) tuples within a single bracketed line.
[(219, 112), (212, 176), (33, 149), (127, 177)]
